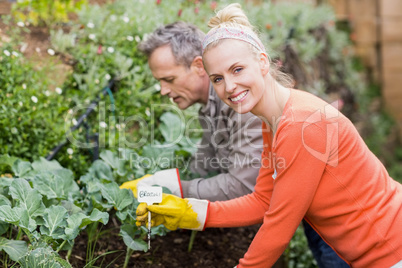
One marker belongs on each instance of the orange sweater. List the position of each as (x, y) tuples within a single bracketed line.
[(317, 167)]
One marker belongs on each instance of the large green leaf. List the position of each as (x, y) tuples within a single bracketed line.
[(7, 160), (73, 225), (27, 198), (20, 168), (55, 185), (120, 198), (114, 161), (78, 221), (172, 127), (10, 215), (43, 164), (129, 232), (96, 216), (4, 200), (54, 221), (101, 170), (43, 257), (162, 156), (3, 227), (14, 248)]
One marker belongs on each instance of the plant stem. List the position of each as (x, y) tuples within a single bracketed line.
[(192, 239), (69, 254), (19, 234), (61, 246), (128, 254)]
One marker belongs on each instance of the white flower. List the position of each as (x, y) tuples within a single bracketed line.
[(14, 130), (59, 90), (102, 124), (20, 103), (47, 93), (92, 36), (113, 18), (130, 38), (75, 122), (110, 49), (7, 53), (34, 99), (137, 38), (37, 49), (126, 19), (147, 112), (70, 151), (15, 54), (51, 52), (90, 25), (24, 47), (157, 87), (107, 76), (96, 81), (20, 24), (24, 86)]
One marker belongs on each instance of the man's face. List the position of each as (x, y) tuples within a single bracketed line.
[(184, 85)]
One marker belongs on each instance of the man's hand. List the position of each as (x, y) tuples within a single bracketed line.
[(175, 212), (168, 178)]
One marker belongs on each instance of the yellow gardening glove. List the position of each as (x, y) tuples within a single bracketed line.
[(133, 184), (175, 212), (168, 178)]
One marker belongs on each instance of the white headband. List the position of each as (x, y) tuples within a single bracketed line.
[(232, 33)]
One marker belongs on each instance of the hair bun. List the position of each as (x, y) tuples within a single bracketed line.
[(230, 16)]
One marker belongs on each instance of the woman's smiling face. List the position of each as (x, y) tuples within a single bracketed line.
[(237, 74)]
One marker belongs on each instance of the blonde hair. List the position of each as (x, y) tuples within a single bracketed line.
[(230, 16), (234, 17)]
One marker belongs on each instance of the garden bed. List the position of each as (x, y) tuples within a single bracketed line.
[(212, 248)]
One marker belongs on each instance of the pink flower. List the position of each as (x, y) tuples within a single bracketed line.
[(158, 2), (196, 10), (213, 5), (99, 50), (179, 13)]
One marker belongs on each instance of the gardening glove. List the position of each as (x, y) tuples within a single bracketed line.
[(175, 212), (168, 178)]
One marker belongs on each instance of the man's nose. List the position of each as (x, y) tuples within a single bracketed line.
[(165, 89)]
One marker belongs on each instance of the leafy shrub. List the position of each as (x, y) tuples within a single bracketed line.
[(45, 12), (30, 113)]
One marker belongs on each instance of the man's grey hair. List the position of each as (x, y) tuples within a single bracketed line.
[(184, 39)]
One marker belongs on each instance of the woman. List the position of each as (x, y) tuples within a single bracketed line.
[(315, 166)]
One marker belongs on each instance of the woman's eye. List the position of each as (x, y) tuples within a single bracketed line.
[(238, 69), (217, 79)]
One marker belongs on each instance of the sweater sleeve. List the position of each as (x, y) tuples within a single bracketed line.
[(249, 209), (298, 174)]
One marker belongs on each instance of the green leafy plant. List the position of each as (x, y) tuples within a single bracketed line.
[(45, 12)]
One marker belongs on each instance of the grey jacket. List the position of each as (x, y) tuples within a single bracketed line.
[(230, 147)]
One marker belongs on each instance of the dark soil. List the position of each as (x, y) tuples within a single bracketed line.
[(220, 247)]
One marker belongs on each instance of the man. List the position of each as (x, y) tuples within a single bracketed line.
[(231, 143)]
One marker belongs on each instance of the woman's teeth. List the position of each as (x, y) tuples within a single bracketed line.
[(239, 97)]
